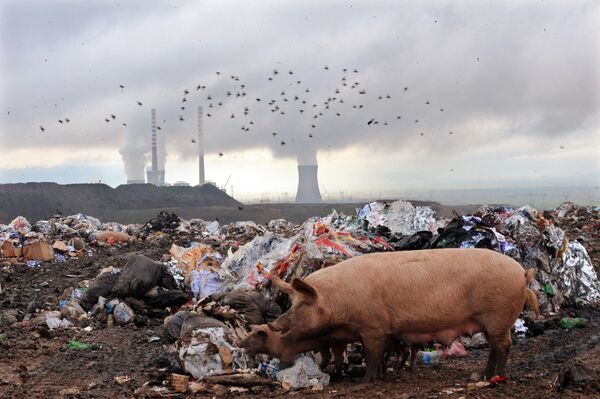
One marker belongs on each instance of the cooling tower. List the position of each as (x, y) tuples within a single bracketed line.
[(308, 184)]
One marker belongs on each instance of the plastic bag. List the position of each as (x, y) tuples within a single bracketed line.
[(205, 283), (123, 314), (304, 373)]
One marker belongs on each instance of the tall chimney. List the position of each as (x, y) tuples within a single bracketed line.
[(154, 149), (201, 177), (308, 184)]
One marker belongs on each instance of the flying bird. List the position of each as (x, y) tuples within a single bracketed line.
[(139, 103), (193, 141), (42, 128), (220, 154), (326, 68), (186, 91), (67, 120), (159, 128), (274, 134), (124, 124), (113, 116), (60, 121), (283, 143), (371, 121), (181, 117), (107, 120), (310, 135)]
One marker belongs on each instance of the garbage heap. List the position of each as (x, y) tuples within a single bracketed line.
[(581, 223), (565, 274), (226, 269), (59, 238)]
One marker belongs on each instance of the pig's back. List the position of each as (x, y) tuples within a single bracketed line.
[(424, 290)]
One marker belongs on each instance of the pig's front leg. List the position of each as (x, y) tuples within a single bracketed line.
[(374, 345)]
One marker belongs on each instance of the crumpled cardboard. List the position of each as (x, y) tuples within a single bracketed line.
[(60, 246), (38, 250), (10, 251)]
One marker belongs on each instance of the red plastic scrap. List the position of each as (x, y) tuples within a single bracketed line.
[(497, 379), (331, 244)]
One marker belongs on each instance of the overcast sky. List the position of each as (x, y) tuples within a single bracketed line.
[(518, 82)]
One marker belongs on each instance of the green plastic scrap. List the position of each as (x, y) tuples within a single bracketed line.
[(3, 337), (570, 323), (83, 346), (548, 289)]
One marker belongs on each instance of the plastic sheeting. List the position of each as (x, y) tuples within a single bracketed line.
[(251, 262), (576, 276), (399, 216), (304, 373)]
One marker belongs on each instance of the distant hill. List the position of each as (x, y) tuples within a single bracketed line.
[(38, 201)]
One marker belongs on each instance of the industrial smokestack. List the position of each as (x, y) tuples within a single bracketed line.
[(201, 177), (308, 184), (154, 149)]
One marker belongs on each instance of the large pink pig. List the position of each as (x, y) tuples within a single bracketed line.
[(413, 296)]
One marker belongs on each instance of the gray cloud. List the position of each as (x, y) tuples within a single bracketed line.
[(500, 70)]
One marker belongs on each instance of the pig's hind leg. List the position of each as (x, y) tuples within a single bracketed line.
[(499, 348), (501, 343)]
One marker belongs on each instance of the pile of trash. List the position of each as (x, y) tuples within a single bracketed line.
[(59, 238), (564, 269), (581, 223), (214, 283)]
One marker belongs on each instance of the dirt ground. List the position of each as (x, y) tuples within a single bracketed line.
[(36, 362)]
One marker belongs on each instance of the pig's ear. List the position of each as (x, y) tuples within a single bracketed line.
[(282, 285), (304, 288), (272, 327)]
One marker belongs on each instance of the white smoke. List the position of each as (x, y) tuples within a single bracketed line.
[(134, 155)]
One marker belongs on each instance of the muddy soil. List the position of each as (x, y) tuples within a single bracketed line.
[(36, 363)]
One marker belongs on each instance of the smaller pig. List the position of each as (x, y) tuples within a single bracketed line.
[(262, 340)]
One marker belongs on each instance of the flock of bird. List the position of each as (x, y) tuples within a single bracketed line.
[(294, 97)]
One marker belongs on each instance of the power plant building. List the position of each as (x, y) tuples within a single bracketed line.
[(308, 185)]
